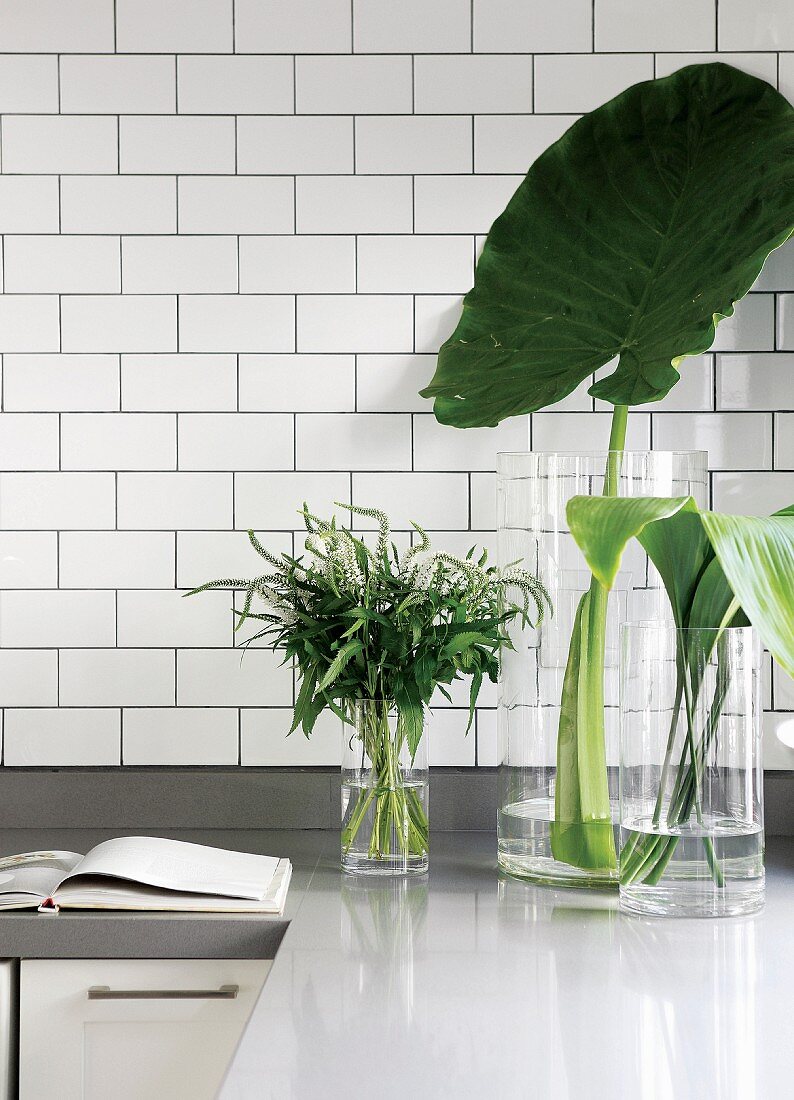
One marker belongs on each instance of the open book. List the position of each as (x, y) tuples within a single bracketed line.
[(143, 872)]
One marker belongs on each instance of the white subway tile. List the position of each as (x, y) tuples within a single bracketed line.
[(763, 25), (350, 322), (28, 204), (180, 735), (59, 501), (353, 85), (118, 204), (236, 322), (220, 678), (28, 559), (235, 85), (418, 264), (235, 204), (590, 432), (572, 83), (755, 381), (461, 204), (58, 737), (511, 143), (301, 26), (440, 447), (784, 441), (174, 26), (488, 755), (752, 494), (47, 619), (440, 501), (55, 27), (511, 26), (60, 383), (644, 25), (272, 501), (116, 677), (762, 65), (357, 441), (59, 143), (751, 328), (184, 143), (28, 83), (116, 559), (783, 687), (483, 502), (118, 85), (29, 322), (297, 265), (785, 324), (413, 26), (413, 143), (290, 145), (118, 323), (734, 441), (264, 739), (62, 265), (118, 441), (182, 383), (435, 316), (206, 555), (235, 441), (163, 618), (391, 383), (28, 441), (174, 501), (477, 84), (693, 393), (297, 383), (174, 265), (778, 271), (29, 677), (354, 204), (448, 743)]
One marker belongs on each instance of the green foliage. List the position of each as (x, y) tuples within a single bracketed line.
[(372, 624), (630, 237)]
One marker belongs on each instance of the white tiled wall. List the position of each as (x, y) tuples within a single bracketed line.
[(234, 233)]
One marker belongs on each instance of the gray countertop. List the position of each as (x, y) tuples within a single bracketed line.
[(466, 984)]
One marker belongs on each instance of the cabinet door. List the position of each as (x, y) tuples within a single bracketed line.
[(132, 1029)]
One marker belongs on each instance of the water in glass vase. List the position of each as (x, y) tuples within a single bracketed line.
[(711, 868), (524, 846), (384, 831)]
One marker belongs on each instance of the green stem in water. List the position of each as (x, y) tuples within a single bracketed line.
[(582, 833)]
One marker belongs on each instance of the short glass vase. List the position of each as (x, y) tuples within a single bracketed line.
[(385, 788), (691, 780)]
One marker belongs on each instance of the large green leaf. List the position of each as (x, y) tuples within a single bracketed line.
[(631, 236), (757, 556)]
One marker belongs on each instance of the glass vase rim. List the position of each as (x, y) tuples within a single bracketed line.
[(604, 452), (656, 624)]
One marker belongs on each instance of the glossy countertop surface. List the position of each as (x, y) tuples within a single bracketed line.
[(469, 984)]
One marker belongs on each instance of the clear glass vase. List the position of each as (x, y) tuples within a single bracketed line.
[(691, 782), (384, 794), (544, 834)]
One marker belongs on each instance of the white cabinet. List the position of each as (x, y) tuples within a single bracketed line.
[(132, 1029)]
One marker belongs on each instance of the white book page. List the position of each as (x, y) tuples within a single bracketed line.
[(178, 866), (30, 876), (101, 893)]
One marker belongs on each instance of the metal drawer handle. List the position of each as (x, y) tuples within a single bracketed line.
[(105, 993)]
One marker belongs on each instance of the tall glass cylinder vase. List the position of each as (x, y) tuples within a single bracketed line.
[(384, 794), (691, 784), (558, 690)]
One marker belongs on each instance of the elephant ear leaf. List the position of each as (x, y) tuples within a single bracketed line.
[(629, 238), (757, 557)]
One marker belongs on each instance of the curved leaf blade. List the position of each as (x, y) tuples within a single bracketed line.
[(757, 556), (630, 237)]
